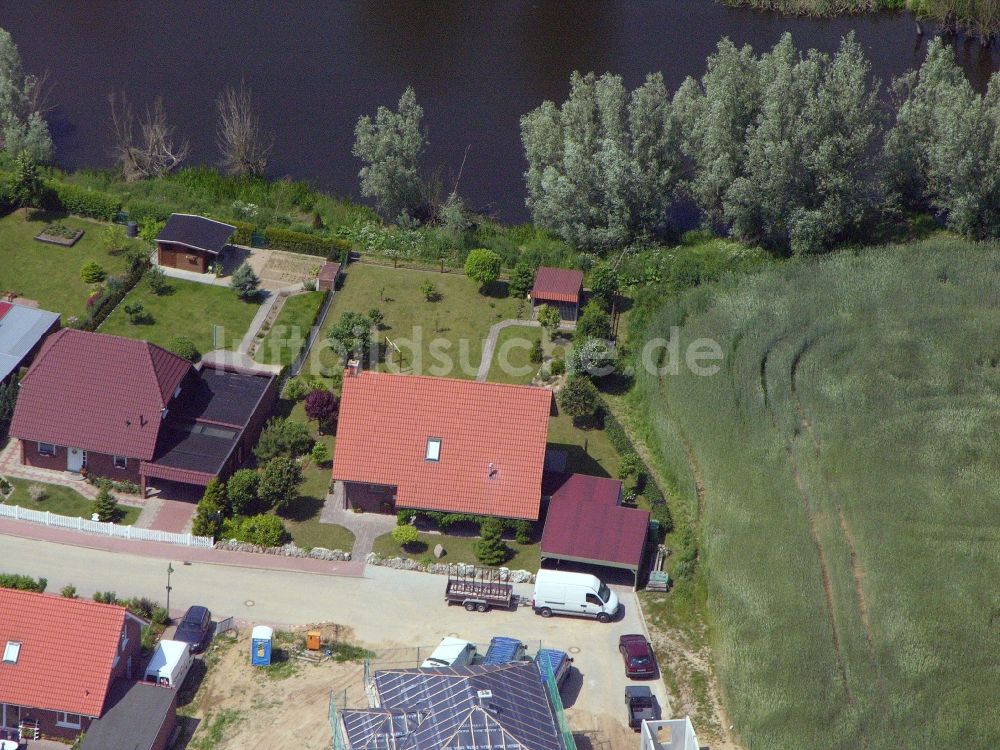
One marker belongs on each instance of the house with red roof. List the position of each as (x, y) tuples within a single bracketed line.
[(129, 410), (62, 660), (559, 288), (440, 444)]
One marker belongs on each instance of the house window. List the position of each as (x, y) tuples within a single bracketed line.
[(11, 651), (46, 449), (121, 462), (69, 721), (433, 449)]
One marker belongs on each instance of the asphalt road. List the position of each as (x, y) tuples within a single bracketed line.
[(386, 608)]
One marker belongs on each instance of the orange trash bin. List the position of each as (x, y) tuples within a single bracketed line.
[(313, 640)]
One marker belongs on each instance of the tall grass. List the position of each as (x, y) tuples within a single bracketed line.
[(865, 388)]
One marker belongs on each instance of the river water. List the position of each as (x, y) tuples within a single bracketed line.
[(314, 67)]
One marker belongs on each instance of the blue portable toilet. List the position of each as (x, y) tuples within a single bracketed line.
[(260, 645)]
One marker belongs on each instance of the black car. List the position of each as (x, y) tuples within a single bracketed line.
[(642, 706), (195, 628)]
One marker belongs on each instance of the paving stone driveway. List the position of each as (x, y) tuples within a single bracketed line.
[(365, 526)]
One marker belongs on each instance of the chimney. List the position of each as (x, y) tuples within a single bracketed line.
[(491, 471), (484, 697), (353, 368)]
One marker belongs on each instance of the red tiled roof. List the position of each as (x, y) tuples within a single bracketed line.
[(97, 392), (68, 647), (386, 420), (558, 284), (593, 528)]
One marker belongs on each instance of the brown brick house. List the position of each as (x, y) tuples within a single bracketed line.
[(192, 243), (129, 410), (61, 660)]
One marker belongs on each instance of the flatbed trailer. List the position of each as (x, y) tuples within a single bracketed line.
[(477, 588)]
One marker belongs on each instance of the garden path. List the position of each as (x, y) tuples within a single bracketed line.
[(491, 343), (365, 526)]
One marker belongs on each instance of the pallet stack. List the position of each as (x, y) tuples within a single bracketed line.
[(659, 579)]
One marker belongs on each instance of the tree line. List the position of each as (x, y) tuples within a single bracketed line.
[(791, 151)]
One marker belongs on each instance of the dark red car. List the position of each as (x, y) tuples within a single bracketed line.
[(638, 655)]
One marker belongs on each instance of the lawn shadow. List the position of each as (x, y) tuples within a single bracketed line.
[(304, 508), (415, 548), (578, 461)]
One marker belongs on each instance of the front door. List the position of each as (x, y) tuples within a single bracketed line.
[(10, 716), (76, 459)]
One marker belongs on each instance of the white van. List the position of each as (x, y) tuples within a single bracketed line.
[(565, 593), (451, 652), (169, 664)]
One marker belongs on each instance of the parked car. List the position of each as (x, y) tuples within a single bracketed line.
[(195, 628), (638, 655), (451, 652), (641, 704), (565, 593)]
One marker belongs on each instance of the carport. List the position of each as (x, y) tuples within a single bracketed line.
[(587, 524)]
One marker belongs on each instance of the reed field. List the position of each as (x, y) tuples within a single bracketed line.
[(849, 448)]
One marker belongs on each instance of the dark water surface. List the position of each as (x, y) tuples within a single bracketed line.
[(316, 66)]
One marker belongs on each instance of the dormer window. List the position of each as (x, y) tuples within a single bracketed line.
[(433, 449), (11, 651)]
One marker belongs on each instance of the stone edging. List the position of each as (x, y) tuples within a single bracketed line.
[(289, 550), (405, 563)]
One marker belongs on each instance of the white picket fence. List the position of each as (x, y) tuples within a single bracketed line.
[(101, 527)]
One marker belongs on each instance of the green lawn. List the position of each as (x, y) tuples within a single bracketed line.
[(302, 520), (457, 323), (64, 501), (189, 309), (589, 451), (50, 274), (287, 336), (511, 357), (848, 527), (458, 550)]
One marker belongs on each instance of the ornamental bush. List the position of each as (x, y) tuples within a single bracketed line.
[(241, 491), (92, 273), (106, 506), (321, 454), (245, 282), (264, 530), (279, 482), (405, 535), (184, 348), (483, 266)]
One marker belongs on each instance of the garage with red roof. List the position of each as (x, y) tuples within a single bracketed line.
[(456, 446), (61, 658), (586, 523), (559, 288)]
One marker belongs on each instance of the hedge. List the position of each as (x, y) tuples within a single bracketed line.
[(64, 196), (300, 242), (22, 582), (144, 212), (113, 296), (244, 232)]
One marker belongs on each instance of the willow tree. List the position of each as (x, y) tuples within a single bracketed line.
[(603, 165), (391, 146), (22, 106), (782, 144), (943, 152)]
